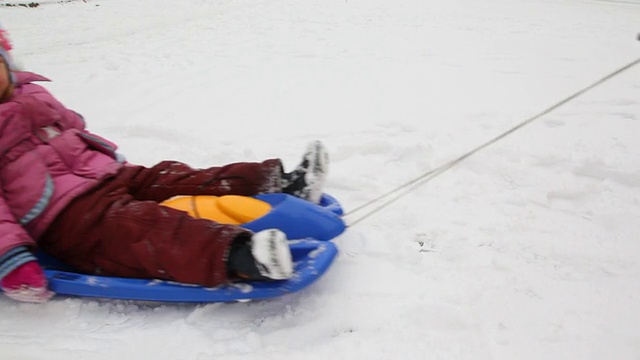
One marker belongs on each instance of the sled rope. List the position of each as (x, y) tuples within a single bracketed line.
[(411, 185)]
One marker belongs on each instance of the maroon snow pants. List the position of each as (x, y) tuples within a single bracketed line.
[(120, 229)]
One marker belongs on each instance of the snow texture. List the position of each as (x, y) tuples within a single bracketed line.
[(526, 250)]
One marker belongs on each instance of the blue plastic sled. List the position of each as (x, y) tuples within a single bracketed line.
[(312, 226)]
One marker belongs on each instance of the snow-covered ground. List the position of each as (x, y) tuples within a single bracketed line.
[(527, 250)]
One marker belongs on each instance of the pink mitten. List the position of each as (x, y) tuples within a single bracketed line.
[(26, 283)]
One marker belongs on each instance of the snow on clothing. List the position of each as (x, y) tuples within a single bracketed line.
[(64, 187)]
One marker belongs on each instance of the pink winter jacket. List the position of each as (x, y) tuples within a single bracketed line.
[(47, 158)]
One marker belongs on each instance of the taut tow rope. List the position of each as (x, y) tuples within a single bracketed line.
[(409, 186)]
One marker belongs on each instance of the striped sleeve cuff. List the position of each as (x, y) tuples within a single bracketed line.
[(13, 259)]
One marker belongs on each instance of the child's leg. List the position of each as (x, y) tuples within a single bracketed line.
[(170, 178), (107, 232)]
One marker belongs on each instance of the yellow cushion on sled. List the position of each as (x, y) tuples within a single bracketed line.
[(243, 208), (183, 203), (229, 209), (208, 207), (201, 207)]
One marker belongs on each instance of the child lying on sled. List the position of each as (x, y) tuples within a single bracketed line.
[(65, 190)]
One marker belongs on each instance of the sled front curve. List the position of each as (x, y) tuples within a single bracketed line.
[(297, 218)]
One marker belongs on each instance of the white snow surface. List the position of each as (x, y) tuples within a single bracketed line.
[(527, 250)]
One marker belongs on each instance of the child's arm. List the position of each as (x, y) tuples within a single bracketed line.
[(21, 277)]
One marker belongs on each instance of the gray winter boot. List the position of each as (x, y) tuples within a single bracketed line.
[(307, 180)]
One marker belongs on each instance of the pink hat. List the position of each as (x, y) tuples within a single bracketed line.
[(4, 40), (5, 47)]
